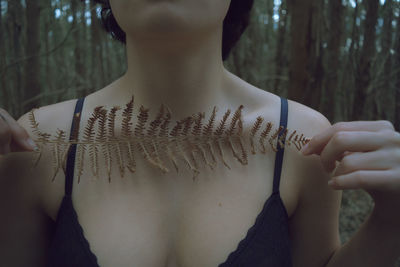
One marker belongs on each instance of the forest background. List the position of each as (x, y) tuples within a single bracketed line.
[(340, 57)]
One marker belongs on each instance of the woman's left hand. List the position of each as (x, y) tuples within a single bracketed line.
[(368, 153)]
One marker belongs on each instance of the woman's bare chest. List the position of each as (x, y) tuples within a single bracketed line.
[(151, 219), (147, 219)]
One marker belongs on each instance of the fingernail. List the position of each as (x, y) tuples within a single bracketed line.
[(32, 144)]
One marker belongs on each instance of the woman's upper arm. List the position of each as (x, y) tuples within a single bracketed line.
[(314, 226), (24, 228)]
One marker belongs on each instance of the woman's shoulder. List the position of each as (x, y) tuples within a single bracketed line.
[(300, 116), (304, 120), (50, 115), (49, 119), (26, 187)]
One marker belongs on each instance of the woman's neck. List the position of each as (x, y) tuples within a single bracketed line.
[(186, 75)]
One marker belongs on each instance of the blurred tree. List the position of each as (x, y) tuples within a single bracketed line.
[(347, 73), (76, 8), (2, 58), (97, 66), (32, 48), (363, 86), (280, 55), (333, 56), (49, 20), (396, 61), (385, 79), (305, 52), (14, 26)]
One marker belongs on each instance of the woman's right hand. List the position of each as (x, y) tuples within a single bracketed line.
[(13, 137)]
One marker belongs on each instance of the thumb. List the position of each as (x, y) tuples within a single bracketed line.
[(21, 145)]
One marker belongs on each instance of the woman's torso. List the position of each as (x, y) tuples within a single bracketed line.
[(151, 219)]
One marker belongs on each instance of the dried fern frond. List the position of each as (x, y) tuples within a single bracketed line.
[(163, 134), (127, 133), (229, 133), (154, 146), (58, 151), (115, 146), (264, 135), (143, 142), (42, 138), (218, 134), (207, 133), (189, 140), (190, 160), (253, 131), (105, 141), (89, 137), (196, 132)]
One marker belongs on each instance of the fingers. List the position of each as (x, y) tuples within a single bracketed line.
[(346, 153), (385, 180), (349, 141), (376, 160), (13, 137), (318, 142)]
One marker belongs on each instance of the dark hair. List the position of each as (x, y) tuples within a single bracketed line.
[(235, 23)]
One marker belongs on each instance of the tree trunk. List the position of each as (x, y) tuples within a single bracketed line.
[(60, 58), (97, 68), (305, 53), (79, 68), (347, 82), (332, 63), (3, 89), (299, 75), (386, 92), (47, 39), (32, 65), (316, 67), (363, 71), (83, 48), (270, 21), (280, 56), (14, 94), (396, 61)]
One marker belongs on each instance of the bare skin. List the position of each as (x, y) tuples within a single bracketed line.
[(169, 215), (150, 219)]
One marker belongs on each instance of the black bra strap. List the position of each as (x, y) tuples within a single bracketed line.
[(69, 177), (279, 154)]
